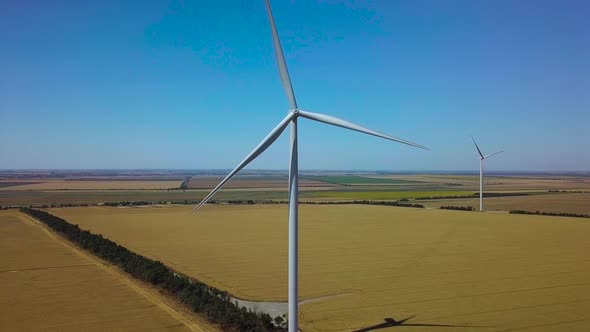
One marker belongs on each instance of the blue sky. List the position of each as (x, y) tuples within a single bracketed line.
[(194, 84)]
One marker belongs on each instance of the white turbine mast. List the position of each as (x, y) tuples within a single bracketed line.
[(291, 119), (481, 159)]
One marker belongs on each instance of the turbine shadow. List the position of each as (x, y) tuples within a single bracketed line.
[(391, 322)]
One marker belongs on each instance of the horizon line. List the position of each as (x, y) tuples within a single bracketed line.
[(286, 170)]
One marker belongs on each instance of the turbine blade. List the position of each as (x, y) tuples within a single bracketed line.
[(477, 147), (348, 125), (266, 142), (493, 154), (286, 80)]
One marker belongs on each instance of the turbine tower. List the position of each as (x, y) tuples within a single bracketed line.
[(291, 119), (481, 159)]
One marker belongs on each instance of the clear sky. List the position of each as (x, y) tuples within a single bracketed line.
[(194, 84)]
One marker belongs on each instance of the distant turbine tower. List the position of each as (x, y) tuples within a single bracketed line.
[(481, 159), (291, 118)]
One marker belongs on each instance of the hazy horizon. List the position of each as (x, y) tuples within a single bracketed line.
[(248, 171)]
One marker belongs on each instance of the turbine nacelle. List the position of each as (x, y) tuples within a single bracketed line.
[(481, 156)]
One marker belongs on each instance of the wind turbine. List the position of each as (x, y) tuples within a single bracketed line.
[(293, 115), (481, 159)]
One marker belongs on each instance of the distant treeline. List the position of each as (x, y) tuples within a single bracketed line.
[(401, 203), (460, 208), (475, 195), (139, 203), (386, 203), (557, 214), (216, 304), (567, 191)]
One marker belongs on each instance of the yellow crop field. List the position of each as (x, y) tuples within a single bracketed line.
[(45, 284), (360, 265)]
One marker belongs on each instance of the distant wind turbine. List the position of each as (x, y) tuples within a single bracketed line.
[(291, 118), (481, 159)]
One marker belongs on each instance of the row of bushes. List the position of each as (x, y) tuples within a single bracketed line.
[(139, 203), (117, 203), (402, 203), (558, 214), (474, 195), (366, 202), (460, 208), (200, 297)]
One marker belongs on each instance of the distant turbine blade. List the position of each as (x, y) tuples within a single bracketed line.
[(266, 142), (493, 154), (348, 125), (477, 147), (281, 59)]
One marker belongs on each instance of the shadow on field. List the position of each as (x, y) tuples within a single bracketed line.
[(391, 322)]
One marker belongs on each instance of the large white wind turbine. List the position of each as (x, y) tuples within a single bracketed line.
[(481, 159), (293, 115)]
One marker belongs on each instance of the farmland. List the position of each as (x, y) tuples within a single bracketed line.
[(47, 284), (560, 202), (39, 197), (556, 193), (363, 264), (254, 182), (56, 184), (383, 194), (89, 180), (355, 180), (508, 182)]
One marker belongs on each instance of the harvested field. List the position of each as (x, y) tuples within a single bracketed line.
[(253, 182), (8, 184), (501, 183), (559, 202), (464, 270), (27, 191), (47, 284), (13, 197), (380, 195), (358, 180), (90, 185)]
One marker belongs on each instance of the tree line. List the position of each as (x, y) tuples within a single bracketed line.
[(556, 214), (401, 203), (460, 208), (200, 297), (474, 195), (369, 202)]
